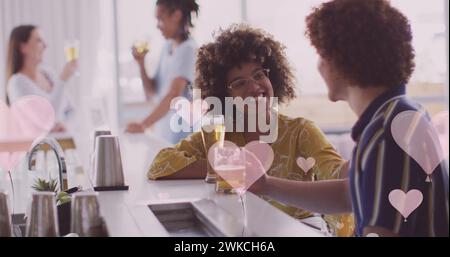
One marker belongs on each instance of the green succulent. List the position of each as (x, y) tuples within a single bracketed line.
[(43, 185), (51, 185), (63, 197)]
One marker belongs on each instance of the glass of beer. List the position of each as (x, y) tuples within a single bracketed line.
[(213, 131), (141, 46), (229, 164), (72, 50)]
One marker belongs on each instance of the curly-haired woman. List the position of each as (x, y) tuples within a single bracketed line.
[(366, 59), (245, 62)]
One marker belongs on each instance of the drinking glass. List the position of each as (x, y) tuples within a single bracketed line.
[(213, 131)]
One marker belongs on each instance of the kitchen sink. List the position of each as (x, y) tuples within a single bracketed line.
[(201, 218)]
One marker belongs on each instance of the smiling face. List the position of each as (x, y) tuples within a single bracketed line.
[(33, 49), (249, 80), (168, 21)]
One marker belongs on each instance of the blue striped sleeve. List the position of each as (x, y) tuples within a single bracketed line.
[(385, 167)]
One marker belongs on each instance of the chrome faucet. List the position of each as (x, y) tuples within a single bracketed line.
[(54, 145)]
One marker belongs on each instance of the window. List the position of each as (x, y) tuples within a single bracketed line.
[(286, 21)]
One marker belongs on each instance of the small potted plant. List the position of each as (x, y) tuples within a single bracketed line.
[(62, 202)]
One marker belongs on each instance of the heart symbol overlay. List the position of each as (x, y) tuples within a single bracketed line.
[(440, 123), (405, 203), (306, 164), (191, 113), (253, 160), (416, 136), (28, 119)]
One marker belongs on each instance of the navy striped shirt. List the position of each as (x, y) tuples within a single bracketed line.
[(379, 166)]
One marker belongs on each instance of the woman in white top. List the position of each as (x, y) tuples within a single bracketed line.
[(26, 77), (175, 69)]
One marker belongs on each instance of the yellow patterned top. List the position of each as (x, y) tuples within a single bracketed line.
[(296, 138)]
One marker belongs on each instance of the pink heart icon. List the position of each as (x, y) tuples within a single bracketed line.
[(29, 118), (416, 136), (440, 122), (405, 203), (251, 162), (194, 112), (306, 164)]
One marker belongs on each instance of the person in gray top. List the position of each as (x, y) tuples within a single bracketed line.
[(175, 69), (26, 76)]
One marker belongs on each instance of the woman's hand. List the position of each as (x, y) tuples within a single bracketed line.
[(139, 56), (58, 128), (135, 127), (69, 70)]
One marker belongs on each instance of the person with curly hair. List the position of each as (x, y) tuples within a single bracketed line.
[(366, 59), (244, 62)]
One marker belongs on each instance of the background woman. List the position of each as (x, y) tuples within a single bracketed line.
[(26, 76)]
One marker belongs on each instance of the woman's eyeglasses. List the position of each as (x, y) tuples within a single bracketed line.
[(258, 77)]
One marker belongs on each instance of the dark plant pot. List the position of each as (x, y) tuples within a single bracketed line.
[(64, 218), (19, 223)]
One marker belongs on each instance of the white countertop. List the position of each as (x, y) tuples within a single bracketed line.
[(126, 213)]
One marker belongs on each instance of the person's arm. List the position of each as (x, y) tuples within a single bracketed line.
[(196, 170), (328, 163), (185, 160), (326, 197), (384, 167), (177, 87), (147, 82), (329, 195), (68, 70)]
